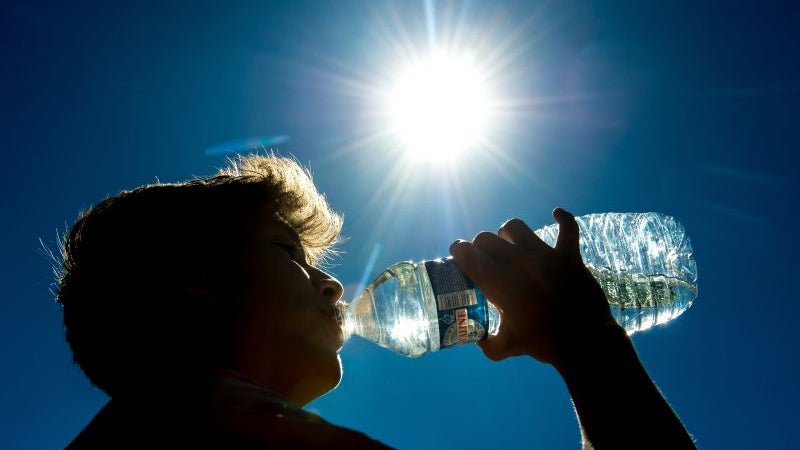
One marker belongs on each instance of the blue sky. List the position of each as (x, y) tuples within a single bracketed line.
[(688, 108)]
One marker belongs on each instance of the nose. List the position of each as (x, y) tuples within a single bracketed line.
[(328, 285)]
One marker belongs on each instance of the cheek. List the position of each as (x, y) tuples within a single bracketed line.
[(284, 326), (280, 312), (303, 328)]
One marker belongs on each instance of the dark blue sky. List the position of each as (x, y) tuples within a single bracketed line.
[(688, 108)]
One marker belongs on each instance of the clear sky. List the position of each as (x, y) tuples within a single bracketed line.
[(688, 108)]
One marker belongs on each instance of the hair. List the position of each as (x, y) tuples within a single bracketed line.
[(133, 264)]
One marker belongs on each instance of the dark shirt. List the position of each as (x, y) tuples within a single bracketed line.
[(220, 412)]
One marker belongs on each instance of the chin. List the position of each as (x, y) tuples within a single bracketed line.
[(334, 373), (326, 378)]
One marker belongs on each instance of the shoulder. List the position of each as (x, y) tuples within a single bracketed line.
[(118, 426), (257, 430)]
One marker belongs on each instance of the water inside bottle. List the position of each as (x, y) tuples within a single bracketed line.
[(389, 312), (639, 302)]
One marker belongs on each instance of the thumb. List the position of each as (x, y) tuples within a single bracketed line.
[(494, 347), (568, 240)]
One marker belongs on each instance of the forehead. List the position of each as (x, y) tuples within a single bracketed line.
[(271, 224)]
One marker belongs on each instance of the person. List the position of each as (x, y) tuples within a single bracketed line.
[(201, 310)]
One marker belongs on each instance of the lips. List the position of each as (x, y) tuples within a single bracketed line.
[(336, 314), (339, 311)]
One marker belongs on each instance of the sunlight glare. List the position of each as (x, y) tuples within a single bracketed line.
[(408, 330), (439, 108)]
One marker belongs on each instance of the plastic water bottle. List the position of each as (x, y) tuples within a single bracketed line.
[(643, 262)]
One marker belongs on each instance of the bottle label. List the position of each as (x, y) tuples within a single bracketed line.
[(461, 307)]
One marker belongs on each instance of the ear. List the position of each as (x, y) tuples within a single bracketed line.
[(209, 315)]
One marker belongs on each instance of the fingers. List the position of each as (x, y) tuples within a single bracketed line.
[(519, 233), (493, 245), (568, 240), (484, 253), (473, 262)]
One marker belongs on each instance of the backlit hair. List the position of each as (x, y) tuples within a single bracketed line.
[(128, 264)]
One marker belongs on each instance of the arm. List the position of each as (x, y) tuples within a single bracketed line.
[(553, 310)]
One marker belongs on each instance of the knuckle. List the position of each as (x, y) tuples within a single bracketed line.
[(483, 238), (514, 227), (495, 357), (458, 246), (514, 222)]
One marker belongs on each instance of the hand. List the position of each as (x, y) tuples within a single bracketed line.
[(549, 302)]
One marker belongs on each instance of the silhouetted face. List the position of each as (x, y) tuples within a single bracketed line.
[(287, 337)]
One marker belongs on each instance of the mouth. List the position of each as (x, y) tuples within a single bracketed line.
[(337, 315), (339, 312)]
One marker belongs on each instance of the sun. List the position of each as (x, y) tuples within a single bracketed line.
[(439, 108)]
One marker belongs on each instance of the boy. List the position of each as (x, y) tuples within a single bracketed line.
[(199, 309)]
